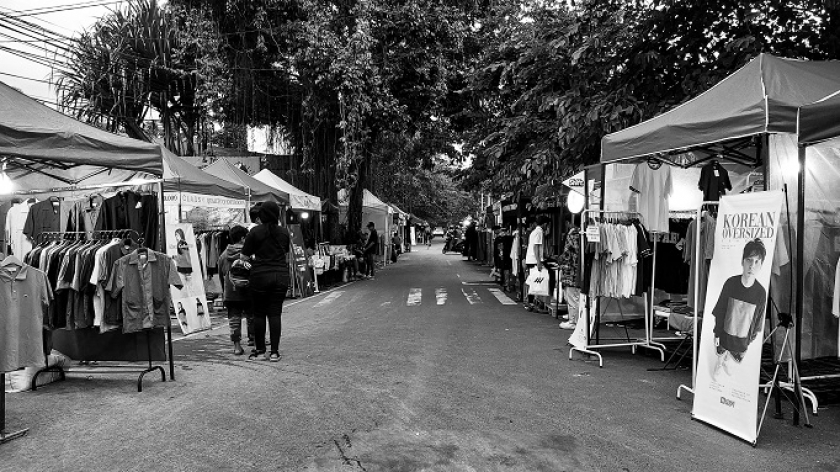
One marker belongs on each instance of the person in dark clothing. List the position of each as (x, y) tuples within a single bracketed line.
[(739, 311), (470, 241), (371, 250), (267, 247), (236, 298)]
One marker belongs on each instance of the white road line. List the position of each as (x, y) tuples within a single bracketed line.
[(440, 296), (415, 296), (329, 299), (478, 283), (448, 262), (503, 299), (472, 296)]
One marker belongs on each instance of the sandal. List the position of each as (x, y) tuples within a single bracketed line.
[(255, 355), (238, 352), (274, 357)]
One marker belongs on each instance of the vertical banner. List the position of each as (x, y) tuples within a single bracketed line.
[(579, 338), (726, 391), (190, 302)]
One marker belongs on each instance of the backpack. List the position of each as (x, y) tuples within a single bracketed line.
[(239, 273)]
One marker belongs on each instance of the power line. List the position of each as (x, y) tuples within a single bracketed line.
[(63, 8), (26, 78)]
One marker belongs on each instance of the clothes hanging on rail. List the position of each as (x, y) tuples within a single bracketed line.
[(142, 279), (653, 188), (131, 210), (714, 181), (25, 296), (17, 242), (703, 261), (49, 215), (84, 214), (672, 272), (614, 260)]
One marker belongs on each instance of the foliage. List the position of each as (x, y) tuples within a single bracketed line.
[(140, 58), (554, 80)]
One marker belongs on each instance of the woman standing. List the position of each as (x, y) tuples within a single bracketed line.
[(267, 248)]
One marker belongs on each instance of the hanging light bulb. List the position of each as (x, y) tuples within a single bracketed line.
[(6, 184), (304, 215)]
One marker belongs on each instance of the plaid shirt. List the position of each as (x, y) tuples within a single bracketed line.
[(570, 260)]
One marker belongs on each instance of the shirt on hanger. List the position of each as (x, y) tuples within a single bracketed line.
[(15, 221), (714, 181), (49, 215), (653, 187), (25, 296), (144, 288)]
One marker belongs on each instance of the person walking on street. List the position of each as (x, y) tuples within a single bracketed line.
[(267, 248), (371, 249), (235, 295)]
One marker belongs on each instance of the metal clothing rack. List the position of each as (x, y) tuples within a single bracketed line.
[(91, 370), (633, 344)]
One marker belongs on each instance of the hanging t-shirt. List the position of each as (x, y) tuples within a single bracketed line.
[(653, 187), (534, 239), (15, 221), (50, 215), (714, 181)]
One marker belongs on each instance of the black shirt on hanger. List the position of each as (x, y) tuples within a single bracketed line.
[(714, 181)]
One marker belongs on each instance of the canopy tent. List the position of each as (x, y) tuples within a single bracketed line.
[(758, 111), (298, 199), (257, 190), (819, 121), (50, 150), (373, 210), (761, 97), (181, 176)]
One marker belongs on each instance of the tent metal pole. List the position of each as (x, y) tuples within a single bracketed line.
[(800, 278), (162, 248)]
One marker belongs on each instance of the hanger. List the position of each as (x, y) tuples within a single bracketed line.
[(11, 259)]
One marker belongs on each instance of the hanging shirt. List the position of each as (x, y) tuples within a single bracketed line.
[(50, 215), (144, 287), (84, 214), (15, 221), (714, 181), (25, 296), (653, 187)]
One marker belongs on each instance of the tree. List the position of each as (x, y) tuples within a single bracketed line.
[(140, 58)]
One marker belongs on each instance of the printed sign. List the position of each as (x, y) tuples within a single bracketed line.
[(576, 183), (580, 338), (728, 368), (190, 302)]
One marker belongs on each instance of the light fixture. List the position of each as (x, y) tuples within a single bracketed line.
[(6, 184), (304, 215), (575, 202)]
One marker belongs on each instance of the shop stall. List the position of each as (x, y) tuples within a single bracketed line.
[(58, 160), (373, 210), (750, 118), (257, 190)]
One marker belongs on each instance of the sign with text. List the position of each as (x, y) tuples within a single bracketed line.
[(576, 183), (729, 357), (189, 302)]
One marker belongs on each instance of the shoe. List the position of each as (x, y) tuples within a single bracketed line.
[(274, 357), (255, 355), (567, 325), (237, 349), (566, 317)]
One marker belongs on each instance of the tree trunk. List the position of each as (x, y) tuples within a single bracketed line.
[(354, 209)]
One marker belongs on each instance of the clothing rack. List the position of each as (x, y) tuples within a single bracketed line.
[(612, 216), (94, 369)]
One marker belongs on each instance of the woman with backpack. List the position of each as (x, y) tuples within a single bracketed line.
[(234, 273), (266, 248)]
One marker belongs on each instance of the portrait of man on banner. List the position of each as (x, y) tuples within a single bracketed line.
[(739, 311)]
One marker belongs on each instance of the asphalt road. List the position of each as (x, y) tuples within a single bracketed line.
[(424, 368)]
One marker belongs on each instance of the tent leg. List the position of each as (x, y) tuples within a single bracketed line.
[(800, 279)]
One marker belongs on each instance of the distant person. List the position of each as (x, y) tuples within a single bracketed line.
[(471, 241), (266, 247), (534, 255), (396, 245), (371, 250), (428, 237), (235, 291)]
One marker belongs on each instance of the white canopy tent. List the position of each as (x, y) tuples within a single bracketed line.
[(298, 199)]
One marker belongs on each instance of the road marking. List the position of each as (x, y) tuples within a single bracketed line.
[(448, 262), (472, 296), (503, 299), (329, 299), (440, 296), (478, 283), (385, 304), (415, 295)]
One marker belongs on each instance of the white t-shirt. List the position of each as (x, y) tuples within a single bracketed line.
[(535, 238), (654, 188)]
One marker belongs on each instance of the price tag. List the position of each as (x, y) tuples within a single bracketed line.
[(593, 234)]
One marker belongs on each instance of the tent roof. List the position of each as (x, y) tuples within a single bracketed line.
[(820, 121), (181, 176), (761, 97), (369, 200), (298, 199), (224, 169), (38, 137)]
